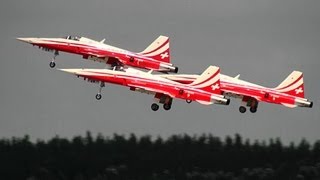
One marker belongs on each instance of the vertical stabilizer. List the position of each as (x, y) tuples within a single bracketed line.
[(209, 80), (292, 85), (158, 49)]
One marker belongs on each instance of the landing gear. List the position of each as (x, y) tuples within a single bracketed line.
[(162, 99), (253, 109), (242, 109), (166, 107), (188, 101), (52, 63), (154, 107), (116, 66), (254, 105), (250, 102), (98, 96)]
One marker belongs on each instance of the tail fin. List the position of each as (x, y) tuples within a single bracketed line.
[(209, 80), (158, 49), (292, 85)]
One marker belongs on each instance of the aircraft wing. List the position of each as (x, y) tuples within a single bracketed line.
[(107, 57), (238, 94), (151, 90), (100, 54)]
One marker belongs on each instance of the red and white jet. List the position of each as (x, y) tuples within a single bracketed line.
[(205, 89), (155, 57), (289, 93)]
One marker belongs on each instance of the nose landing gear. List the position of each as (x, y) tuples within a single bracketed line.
[(99, 96), (52, 64)]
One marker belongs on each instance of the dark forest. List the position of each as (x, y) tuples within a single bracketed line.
[(202, 157)]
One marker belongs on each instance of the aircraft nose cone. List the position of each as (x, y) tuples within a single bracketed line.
[(26, 40)]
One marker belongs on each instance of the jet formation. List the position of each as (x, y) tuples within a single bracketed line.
[(136, 71)]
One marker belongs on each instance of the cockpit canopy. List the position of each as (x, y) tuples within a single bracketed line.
[(81, 39), (75, 38)]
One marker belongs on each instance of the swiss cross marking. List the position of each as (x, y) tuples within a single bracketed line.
[(164, 55), (215, 86), (298, 91)]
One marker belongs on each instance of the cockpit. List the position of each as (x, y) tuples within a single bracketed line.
[(75, 38)]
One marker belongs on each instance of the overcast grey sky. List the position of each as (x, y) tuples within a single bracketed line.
[(263, 40)]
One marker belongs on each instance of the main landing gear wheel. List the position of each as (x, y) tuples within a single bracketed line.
[(242, 109), (52, 64), (98, 96), (166, 107), (188, 101), (253, 109), (154, 107)]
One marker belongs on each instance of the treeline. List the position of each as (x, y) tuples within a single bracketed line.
[(204, 157)]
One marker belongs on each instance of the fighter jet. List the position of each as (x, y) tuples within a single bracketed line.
[(155, 57), (205, 89)]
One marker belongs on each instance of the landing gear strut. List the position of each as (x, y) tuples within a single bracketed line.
[(99, 96), (52, 63)]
